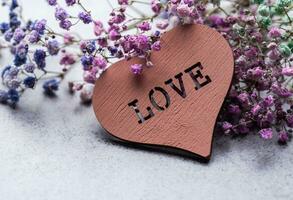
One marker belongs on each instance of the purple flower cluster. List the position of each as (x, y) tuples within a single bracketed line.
[(260, 97), (64, 18), (28, 63), (259, 32)]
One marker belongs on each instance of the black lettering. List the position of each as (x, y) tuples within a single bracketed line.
[(154, 103), (197, 76), (181, 91), (134, 105)]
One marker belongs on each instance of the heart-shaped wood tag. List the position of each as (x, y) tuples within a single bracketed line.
[(176, 102)]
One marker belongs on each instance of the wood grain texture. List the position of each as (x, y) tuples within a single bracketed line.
[(188, 123)]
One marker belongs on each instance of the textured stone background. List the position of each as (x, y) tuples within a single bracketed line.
[(53, 148)]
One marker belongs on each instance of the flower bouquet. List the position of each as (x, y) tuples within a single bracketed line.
[(259, 32)]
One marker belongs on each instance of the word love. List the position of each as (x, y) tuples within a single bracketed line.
[(196, 76)]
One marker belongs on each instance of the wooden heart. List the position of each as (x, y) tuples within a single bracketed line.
[(176, 102)]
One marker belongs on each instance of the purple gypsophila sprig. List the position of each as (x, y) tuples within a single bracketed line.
[(259, 33)]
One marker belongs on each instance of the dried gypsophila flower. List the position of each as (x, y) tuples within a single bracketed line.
[(260, 34)]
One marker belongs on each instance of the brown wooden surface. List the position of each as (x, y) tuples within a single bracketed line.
[(188, 123)]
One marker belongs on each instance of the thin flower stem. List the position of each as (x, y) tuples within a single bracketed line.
[(137, 11), (286, 13), (139, 1), (82, 7), (224, 11)]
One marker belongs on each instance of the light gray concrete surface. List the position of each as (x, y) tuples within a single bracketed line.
[(53, 148)]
